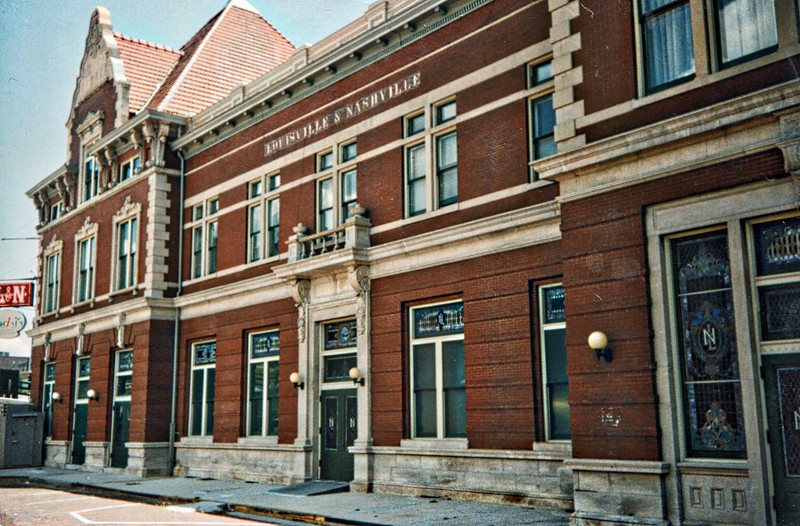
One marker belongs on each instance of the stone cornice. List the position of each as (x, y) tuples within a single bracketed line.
[(106, 318), (50, 181), (701, 126), (297, 78)]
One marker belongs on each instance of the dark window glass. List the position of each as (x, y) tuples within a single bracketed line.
[(341, 335), (453, 383), (256, 398), (415, 124), (540, 73), (710, 365), (780, 311), (439, 320), (338, 367), (778, 246), (425, 390)]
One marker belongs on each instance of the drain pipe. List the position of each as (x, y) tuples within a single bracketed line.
[(176, 330)]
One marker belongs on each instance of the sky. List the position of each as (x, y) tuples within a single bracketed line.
[(41, 46)]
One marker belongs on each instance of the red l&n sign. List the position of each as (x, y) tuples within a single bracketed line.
[(16, 294)]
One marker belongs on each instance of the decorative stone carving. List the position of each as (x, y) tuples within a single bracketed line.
[(119, 323), (110, 156), (358, 278), (80, 341), (103, 176), (159, 146), (54, 246), (40, 203), (149, 135), (87, 229), (128, 209), (47, 338), (301, 293), (138, 143)]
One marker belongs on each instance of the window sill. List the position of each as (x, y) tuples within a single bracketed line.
[(120, 292), (435, 443), (270, 440), (197, 440), (86, 303)]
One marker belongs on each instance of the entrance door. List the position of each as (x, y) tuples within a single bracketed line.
[(121, 413), (80, 420), (122, 424), (782, 384), (79, 433), (339, 421)]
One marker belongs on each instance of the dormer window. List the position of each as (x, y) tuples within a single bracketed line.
[(91, 178)]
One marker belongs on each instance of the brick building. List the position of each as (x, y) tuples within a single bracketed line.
[(378, 259)]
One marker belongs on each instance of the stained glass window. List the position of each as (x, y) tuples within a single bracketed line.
[(778, 255), (712, 397)]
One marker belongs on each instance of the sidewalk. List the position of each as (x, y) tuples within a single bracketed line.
[(343, 507)]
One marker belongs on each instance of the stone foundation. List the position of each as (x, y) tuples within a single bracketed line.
[(148, 459), (56, 453), (609, 492), (519, 477), (265, 462)]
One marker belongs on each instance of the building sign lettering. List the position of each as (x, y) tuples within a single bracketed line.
[(16, 295), (339, 115), (12, 322)]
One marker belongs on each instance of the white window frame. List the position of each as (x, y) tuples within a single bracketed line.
[(132, 166), (544, 327), (438, 342), (705, 31), (334, 171), (428, 138), (90, 177), (121, 374), (87, 235), (206, 220), (263, 197), (204, 432), (51, 277), (267, 362), (55, 211), (129, 211), (538, 89), (48, 387)]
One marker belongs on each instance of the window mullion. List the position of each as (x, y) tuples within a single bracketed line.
[(440, 406)]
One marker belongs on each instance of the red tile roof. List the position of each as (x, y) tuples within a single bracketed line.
[(146, 64), (236, 46)]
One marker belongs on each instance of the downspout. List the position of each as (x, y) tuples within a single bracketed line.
[(176, 329)]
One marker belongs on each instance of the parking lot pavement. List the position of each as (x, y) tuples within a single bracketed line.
[(48, 507)]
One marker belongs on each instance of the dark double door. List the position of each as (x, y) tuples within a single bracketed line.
[(79, 433), (121, 420), (338, 432), (782, 386)]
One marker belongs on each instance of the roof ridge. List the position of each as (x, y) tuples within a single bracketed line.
[(123, 36)]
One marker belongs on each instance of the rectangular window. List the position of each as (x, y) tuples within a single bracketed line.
[(339, 353), (254, 232), (262, 401), (543, 123), (123, 376), (91, 178), (416, 176), (325, 204), (55, 211), (85, 284), (52, 274), (201, 404), (265, 210), (777, 258), (431, 160), (47, 397), (447, 169), (746, 29), (126, 253), (205, 236), (211, 248), (438, 378), (552, 341), (666, 27), (347, 186), (129, 169), (711, 387), (273, 226), (336, 191), (83, 370)]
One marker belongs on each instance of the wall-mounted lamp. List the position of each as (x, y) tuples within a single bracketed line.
[(355, 375), (599, 342), (297, 380), (56, 397), (91, 394)]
